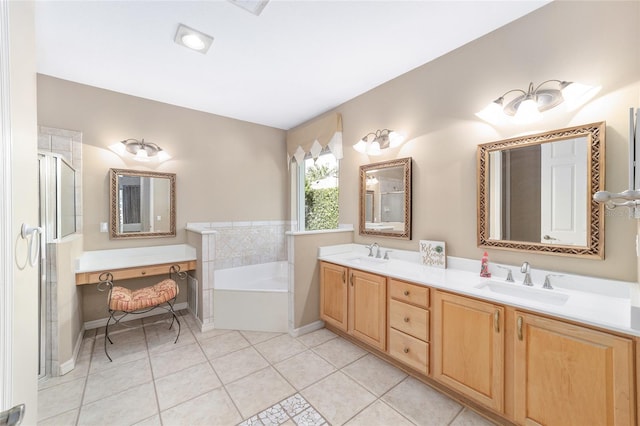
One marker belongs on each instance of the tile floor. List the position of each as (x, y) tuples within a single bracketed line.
[(227, 377)]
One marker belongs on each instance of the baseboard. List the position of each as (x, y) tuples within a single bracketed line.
[(297, 332), (89, 325), (69, 365)]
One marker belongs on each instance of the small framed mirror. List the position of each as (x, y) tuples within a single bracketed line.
[(535, 193), (385, 199), (143, 204)]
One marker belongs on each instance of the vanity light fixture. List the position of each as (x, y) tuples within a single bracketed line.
[(193, 39), (527, 107), (253, 6), (140, 150), (373, 143)]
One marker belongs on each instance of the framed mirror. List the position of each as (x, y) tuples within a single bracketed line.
[(535, 193), (143, 204), (385, 199)]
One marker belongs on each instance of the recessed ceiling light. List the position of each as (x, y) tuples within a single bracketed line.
[(253, 6), (193, 39)]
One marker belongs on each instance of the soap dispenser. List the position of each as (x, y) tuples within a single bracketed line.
[(484, 266)]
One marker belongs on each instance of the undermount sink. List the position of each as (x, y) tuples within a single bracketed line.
[(367, 259), (552, 297)]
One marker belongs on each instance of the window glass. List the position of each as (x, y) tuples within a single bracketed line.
[(318, 181)]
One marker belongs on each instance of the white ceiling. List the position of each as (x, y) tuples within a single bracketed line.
[(295, 61)]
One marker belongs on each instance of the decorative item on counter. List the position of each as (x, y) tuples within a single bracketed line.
[(433, 253), (484, 266)]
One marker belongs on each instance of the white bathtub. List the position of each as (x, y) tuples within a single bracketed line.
[(253, 297)]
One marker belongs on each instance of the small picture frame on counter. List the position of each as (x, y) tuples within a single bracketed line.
[(433, 253)]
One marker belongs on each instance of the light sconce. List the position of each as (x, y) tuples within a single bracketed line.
[(528, 106), (140, 150), (193, 39), (374, 143)]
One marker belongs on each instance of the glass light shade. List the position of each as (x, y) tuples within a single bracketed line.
[(118, 148), (395, 139), (163, 156), (576, 94), (193, 41), (361, 146), (141, 155), (528, 112), (374, 148), (492, 113)]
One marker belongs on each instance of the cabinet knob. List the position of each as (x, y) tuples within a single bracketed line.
[(405, 350), (143, 273), (406, 292), (406, 319)]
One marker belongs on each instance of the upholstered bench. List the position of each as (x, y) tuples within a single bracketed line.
[(123, 301)]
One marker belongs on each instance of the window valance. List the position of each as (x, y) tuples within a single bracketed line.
[(313, 137)]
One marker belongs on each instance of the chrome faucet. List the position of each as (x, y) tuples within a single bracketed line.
[(526, 270), (547, 281), (370, 247), (509, 278)]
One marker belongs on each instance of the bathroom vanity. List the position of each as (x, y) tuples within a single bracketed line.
[(526, 355)]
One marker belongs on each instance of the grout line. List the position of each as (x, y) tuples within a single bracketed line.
[(153, 377)]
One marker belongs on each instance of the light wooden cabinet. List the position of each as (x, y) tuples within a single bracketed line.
[(570, 375), (367, 308), (355, 302), (334, 295), (468, 347), (409, 324)]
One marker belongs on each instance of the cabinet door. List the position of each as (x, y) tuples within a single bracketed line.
[(468, 347), (570, 375), (367, 308), (333, 295)]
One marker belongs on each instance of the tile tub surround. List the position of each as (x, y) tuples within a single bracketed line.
[(592, 301), (222, 245), (227, 377)]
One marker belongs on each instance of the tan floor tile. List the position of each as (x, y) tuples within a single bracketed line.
[(80, 370), (151, 421), (421, 403), (125, 408), (165, 363), (280, 348), (223, 344), (238, 364), (339, 352), (59, 399), (105, 383), (162, 338), (121, 327), (337, 397), (379, 414), (211, 409), (386, 375), (470, 418), (126, 347), (185, 384), (317, 337), (65, 419), (259, 391), (304, 369), (255, 337)]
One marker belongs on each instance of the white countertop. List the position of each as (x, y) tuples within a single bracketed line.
[(593, 301), (100, 260)]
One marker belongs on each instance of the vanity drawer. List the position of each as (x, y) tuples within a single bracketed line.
[(409, 319), (409, 350), (410, 293)]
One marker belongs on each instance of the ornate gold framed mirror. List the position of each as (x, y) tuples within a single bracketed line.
[(385, 199), (535, 193), (143, 204)]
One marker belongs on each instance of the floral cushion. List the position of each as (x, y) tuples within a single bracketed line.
[(123, 299)]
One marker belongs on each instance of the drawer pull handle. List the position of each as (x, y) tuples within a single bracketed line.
[(344, 277), (143, 272), (406, 292), (519, 328), (406, 319), (351, 279), (405, 350), (496, 321)]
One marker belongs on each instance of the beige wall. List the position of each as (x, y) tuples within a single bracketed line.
[(434, 105), (69, 311), (307, 273), (226, 169), (24, 200)]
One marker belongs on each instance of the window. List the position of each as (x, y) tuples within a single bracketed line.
[(317, 193)]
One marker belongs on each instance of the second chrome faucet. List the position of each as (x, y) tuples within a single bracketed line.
[(526, 270)]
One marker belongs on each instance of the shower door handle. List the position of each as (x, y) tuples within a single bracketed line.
[(12, 416)]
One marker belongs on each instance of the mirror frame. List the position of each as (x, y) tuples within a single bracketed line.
[(405, 163), (113, 203), (595, 133)]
